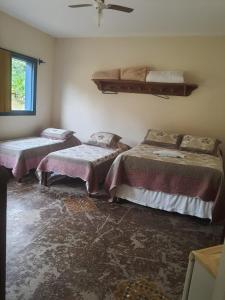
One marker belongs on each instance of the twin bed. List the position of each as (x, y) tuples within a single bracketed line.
[(24, 154), (167, 171), (87, 162), (58, 151)]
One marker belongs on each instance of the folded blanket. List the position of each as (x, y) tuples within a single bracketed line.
[(57, 134), (109, 74), (134, 73), (169, 153), (165, 76)]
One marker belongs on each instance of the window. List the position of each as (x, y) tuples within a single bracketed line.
[(17, 84)]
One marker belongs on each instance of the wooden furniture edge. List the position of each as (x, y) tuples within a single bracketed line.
[(4, 177), (209, 258)]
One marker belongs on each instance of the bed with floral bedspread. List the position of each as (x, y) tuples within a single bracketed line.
[(22, 155), (87, 162), (194, 175)]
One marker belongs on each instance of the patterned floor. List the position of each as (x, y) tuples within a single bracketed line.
[(65, 245)]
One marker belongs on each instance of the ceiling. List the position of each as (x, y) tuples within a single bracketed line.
[(150, 17)]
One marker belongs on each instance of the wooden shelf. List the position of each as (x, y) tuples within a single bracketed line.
[(138, 87)]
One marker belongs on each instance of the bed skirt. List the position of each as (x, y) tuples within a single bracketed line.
[(174, 203)]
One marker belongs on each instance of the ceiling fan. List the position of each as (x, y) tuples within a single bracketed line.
[(100, 6)]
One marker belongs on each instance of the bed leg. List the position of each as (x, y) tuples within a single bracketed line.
[(114, 200), (44, 178)]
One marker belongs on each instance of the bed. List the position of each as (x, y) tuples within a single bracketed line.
[(188, 182), (24, 154), (89, 162)]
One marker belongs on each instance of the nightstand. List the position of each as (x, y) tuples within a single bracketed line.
[(201, 274)]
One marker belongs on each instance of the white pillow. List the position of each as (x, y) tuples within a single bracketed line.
[(165, 76), (58, 134)]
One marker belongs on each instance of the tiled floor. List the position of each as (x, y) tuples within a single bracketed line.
[(64, 245)]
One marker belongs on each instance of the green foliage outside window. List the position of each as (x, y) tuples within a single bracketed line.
[(18, 84)]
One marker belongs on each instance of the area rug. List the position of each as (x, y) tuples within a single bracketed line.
[(61, 244), (79, 204), (141, 289)]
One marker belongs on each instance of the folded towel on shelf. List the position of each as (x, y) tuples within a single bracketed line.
[(134, 73), (108, 74), (165, 76), (169, 153)]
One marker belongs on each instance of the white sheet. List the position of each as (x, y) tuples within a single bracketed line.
[(175, 203)]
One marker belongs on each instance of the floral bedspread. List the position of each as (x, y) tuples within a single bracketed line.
[(22, 155), (195, 175), (90, 163)]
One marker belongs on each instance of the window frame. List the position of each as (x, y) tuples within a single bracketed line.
[(34, 63)]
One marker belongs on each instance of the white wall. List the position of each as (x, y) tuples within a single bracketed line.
[(17, 36), (80, 106), (74, 101)]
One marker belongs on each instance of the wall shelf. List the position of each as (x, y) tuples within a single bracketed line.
[(138, 87)]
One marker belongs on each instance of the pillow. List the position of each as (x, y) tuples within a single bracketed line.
[(57, 134), (110, 74), (162, 138), (200, 144), (165, 76), (104, 139), (134, 73)]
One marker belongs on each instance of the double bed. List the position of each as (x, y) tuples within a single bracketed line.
[(24, 154), (89, 162), (187, 182)]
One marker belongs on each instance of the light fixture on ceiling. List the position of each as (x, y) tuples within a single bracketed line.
[(100, 6)]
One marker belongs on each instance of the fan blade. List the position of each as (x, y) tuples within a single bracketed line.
[(120, 8), (80, 5)]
